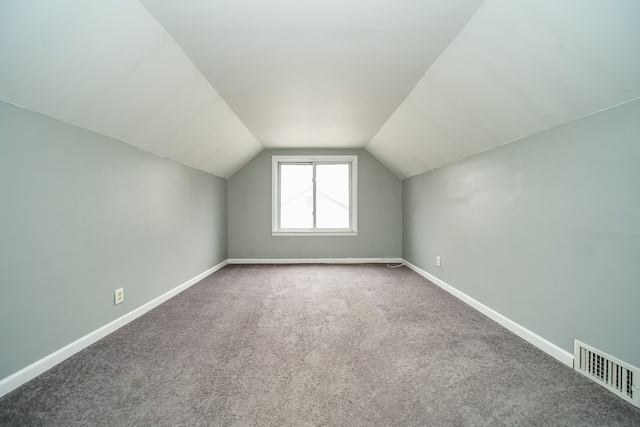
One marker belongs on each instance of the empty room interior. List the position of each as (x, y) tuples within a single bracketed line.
[(387, 212)]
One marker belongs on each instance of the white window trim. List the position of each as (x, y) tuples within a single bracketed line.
[(275, 195)]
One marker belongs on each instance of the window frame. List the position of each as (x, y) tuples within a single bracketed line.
[(278, 160)]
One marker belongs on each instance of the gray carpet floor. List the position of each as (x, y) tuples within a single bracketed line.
[(313, 345)]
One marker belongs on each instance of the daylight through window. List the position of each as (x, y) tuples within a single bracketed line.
[(314, 195)]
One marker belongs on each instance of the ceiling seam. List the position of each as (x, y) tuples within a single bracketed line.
[(201, 73), (425, 73), (530, 135)]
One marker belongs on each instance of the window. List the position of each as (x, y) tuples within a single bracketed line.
[(315, 195)]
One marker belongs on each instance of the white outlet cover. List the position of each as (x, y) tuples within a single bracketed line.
[(119, 296), (437, 261)]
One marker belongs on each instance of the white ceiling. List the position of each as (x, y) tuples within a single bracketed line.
[(418, 83), (517, 68), (313, 73), (109, 67)]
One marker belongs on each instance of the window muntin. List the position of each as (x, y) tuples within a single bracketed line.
[(314, 195)]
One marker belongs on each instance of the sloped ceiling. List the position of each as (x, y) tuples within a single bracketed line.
[(418, 83), (313, 73), (109, 67), (517, 68)]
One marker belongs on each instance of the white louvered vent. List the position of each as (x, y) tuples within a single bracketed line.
[(615, 375)]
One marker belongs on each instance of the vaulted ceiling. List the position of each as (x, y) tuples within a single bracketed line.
[(417, 83)]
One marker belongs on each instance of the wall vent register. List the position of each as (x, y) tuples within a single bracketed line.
[(613, 374)]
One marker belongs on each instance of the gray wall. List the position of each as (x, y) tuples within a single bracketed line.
[(82, 215), (379, 214), (545, 230)]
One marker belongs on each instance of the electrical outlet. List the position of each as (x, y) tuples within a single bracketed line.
[(119, 296), (438, 261)]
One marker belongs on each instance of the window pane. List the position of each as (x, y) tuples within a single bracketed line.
[(332, 196), (296, 196)]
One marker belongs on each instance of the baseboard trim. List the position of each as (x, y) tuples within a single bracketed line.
[(548, 347), (389, 260), (26, 374)]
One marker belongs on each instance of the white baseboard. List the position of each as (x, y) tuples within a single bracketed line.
[(386, 260), (15, 380), (544, 345), (24, 375)]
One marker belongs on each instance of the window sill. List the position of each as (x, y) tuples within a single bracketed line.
[(314, 233)]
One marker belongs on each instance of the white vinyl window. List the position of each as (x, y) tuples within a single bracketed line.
[(315, 195)]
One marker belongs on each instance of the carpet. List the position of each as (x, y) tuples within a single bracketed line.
[(312, 345)]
